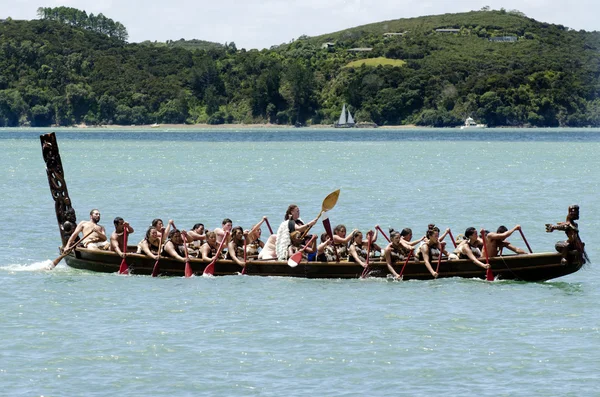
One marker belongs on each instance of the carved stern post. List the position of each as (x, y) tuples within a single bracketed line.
[(65, 214)]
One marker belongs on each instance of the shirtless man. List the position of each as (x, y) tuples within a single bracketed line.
[(571, 229), (116, 238), (225, 227), (97, 239), (495, 241)]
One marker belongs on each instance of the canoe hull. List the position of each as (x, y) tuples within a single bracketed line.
[(530, 267)]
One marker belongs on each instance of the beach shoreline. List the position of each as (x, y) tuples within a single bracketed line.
[(226, 126)]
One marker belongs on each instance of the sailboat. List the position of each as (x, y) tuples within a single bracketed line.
[(345, 121)]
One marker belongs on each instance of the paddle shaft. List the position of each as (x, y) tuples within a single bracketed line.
[(210, 269), (364, 273), (268, 225), (489, 275), (124, 268), (383, 234), (526, 243), (245, 257), (155, 269), (68, 250), (188, 267), (405, 263)]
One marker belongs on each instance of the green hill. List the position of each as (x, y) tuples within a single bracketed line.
[(501, 68)]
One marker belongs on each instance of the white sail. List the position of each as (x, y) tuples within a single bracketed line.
[(350, 119), (342, 119)]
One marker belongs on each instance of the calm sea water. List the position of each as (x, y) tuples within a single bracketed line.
[(67, 332)]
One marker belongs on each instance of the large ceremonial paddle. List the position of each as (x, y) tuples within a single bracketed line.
[(210, 269), (67, 251), (327, 226), (155, 268), (328, 203), (365, 271), (297, 257), (526, 243), (124, 269), (489, 275), (188, 267)]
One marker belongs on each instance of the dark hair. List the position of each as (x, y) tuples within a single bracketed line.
[(338, 228), (149, 231), (393, 233), (431, 232), (405, 232), (324, 237), (470, 231), (291, 207), (155, 221), (197, 225), (237, 228), (226, 220), (117, 220), (96, 209), (501, 229), (173, 232)]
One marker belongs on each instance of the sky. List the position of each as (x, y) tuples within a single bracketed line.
[(264, 23)]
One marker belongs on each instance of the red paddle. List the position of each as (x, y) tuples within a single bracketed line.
[(369, 235), (383, 233), (268, 225), (188, 267), (489, 275), (210, 269), (526, 243), (327, 226), (405, 262), (297, 257), (452, 238), (155, 268), (124, 269)]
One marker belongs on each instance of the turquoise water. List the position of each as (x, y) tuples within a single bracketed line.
[(69, 332)]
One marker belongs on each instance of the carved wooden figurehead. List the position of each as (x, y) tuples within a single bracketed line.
[(65, 214)]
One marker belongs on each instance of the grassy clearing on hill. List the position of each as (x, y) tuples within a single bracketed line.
[(374, 62)]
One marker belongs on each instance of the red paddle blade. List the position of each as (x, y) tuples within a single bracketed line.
[(327, 226), (123, 269), (210, 269), (188, 270), (295, 259), (155, 269), (489, 275)]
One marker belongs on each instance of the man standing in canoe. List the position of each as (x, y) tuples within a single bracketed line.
[(495, 241), (96, 234)]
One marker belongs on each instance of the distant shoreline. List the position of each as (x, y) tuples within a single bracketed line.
[(227, 126)]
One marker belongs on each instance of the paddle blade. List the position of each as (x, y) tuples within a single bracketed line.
[(330, 201), (188, 269), (327, 226), (123, 269), (489, 275), (210, 269), (295, 259), (155, 269)]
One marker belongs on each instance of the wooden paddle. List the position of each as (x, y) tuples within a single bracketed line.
[(188, 272), (405, 263), (383, 234), (67, 251), (268, 225), (328, 203), (526, 243), (452, 238), (210, 269), (442, 246), (489, 275), (245, 257), (124, 269), (155, 269), (327, 226), (297, 257), (365, 271)]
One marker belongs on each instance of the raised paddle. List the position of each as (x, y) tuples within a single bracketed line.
[(188, 267), (155, 268), (489, 275), (297, 257), (327, 226), (67, 251), (210, 269), (124, 269), (383, 234), (526, 243), (328, 203), (452, 238), (268, 225), (365, 271)]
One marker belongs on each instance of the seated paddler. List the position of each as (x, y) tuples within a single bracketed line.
[(174, 246)]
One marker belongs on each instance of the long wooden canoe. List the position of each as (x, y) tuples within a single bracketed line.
[(527, 267)]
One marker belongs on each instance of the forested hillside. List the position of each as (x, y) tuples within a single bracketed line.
[(499, 67)]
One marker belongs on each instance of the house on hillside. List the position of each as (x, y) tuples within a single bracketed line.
[(447, 30), (360, 49), (504, 39), (328, 45)]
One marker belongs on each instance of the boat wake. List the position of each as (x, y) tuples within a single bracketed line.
[(32, 267)]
